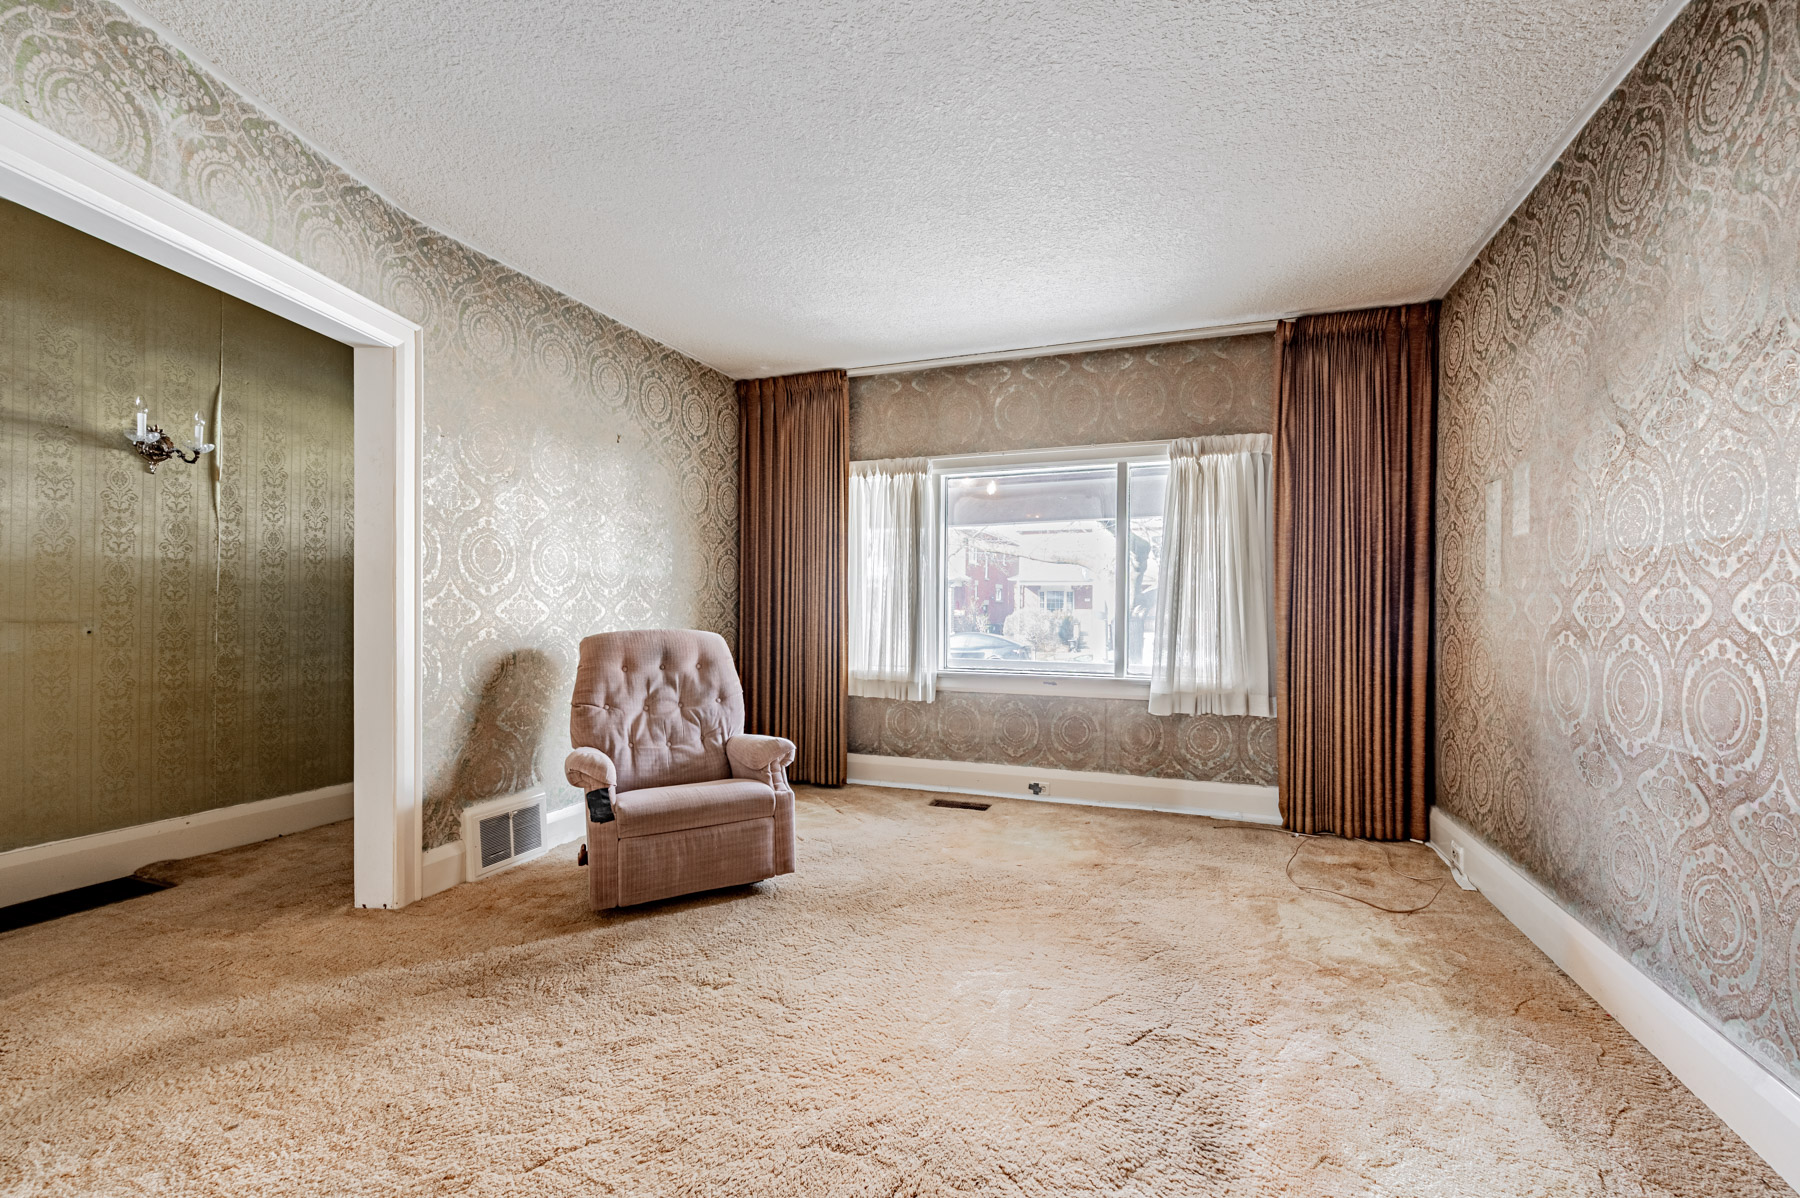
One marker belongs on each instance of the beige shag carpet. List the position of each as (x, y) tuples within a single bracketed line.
[(1034, 1000)]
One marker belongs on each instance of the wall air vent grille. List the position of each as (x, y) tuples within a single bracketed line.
[(496, 840), (502, 832), (527, 829)]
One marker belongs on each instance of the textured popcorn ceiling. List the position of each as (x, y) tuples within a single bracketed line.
[(775, 187)]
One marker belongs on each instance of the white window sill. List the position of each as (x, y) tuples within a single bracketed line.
[(1072, 686)]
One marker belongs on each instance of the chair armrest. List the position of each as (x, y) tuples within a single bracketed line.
[(764, 758), (590, 769)]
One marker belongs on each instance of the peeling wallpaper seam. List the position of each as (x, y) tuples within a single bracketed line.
[(161, 659)]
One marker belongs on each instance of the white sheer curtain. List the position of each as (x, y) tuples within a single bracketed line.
[(893, 632), (1214, 617)]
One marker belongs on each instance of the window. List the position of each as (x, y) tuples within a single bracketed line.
[(1144, 509), (1051, 567)]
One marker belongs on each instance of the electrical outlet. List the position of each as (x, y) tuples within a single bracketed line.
[(1459, 866), (1039, 788)]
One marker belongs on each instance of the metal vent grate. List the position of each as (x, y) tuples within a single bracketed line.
[(501, 832), (496, 839), (527, 829), (960, 805)]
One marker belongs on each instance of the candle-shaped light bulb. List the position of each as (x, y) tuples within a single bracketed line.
[(199, 430), (143, 419)]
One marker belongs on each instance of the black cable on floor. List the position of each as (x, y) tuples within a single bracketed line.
[(1300, 842)]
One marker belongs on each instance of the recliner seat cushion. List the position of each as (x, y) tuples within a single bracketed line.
[(661, 809)]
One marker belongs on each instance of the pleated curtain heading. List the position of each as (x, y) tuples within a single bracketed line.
[(1355, 434), (793, 482)]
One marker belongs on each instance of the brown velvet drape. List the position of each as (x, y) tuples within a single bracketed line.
[(1355, 434), (793, 497)]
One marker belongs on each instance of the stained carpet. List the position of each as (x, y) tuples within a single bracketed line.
[(1034, 999)]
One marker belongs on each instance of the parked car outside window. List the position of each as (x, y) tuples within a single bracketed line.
[(985, 646)]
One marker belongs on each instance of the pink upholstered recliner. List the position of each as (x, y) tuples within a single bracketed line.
[(679, 799)]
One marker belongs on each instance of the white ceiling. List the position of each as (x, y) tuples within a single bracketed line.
[(773, 186)]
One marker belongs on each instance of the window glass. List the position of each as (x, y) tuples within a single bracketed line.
[(1144, 555), (1030, 564)]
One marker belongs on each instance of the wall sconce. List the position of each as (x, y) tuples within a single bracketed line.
[(156, 447)]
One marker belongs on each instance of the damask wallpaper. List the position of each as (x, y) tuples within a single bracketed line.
[(1619, 560), (1184, 389), (1109, 736), (1188, 388), (578, 476), (157, 659)]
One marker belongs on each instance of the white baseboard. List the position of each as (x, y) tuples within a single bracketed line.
[(1751, 1101), (444, 865), (1182, 796), (42, 869)]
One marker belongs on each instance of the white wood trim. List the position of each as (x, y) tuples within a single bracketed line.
[(1181, 796), (44, 171), (1750, 1100), (444, 866), (43, 869), (1070, 347), (387, 587), (47, 173)]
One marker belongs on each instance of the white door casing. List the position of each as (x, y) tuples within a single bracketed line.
[(43, 171)]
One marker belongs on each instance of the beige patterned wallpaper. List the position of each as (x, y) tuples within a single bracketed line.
[(155, 659), (1186, 389), (1189, 388), (578, 476), (1619, 567), (1110, 736)]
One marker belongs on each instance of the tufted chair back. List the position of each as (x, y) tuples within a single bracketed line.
[(660, 703)]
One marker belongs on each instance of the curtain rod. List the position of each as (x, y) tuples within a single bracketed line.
[(1069, 347)]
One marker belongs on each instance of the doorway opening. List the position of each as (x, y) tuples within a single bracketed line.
[(51, 176)]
